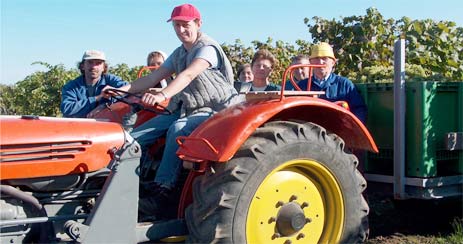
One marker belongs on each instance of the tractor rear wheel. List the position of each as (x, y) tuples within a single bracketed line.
[(288, 183)]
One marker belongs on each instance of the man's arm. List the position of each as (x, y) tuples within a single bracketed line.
[(73, 105), (182, 80), (115, 81)]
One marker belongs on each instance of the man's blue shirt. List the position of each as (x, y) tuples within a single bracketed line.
[(337, 88), (75, 101)]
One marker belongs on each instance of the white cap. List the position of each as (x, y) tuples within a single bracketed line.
[(164, 55), (93, 54)]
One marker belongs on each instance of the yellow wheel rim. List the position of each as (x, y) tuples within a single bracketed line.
[(304, 187)]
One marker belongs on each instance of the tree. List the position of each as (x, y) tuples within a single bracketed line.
[(363, 45), (125, 72), (40, 92), (283, 51), (366, 42)]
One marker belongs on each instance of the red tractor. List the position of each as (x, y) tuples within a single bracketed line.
[(276, 168)]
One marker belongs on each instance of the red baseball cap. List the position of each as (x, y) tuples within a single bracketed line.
[(185, 12)]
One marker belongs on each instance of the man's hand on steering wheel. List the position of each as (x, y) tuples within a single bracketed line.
[(109, 91), (121, 96), (105, 94), (151, 99)]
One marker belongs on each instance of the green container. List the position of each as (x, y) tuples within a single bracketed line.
[(433, 109)]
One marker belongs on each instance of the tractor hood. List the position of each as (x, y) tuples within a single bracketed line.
[(33, 146)]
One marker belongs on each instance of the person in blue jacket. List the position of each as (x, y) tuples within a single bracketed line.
[(336, 87), (83, 94)]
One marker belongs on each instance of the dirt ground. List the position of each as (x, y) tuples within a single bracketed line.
[(410, 221)]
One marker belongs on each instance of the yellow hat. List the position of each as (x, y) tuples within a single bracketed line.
[(322, 49)]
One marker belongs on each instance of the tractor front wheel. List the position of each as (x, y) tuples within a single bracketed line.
[(288, 183)]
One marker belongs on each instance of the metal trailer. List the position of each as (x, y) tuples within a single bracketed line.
[(418, 127)]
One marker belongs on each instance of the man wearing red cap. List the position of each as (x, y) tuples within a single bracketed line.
[(203, 86)]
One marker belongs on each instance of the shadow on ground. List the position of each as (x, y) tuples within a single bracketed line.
[(389, 217)]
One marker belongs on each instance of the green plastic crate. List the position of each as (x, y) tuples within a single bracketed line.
[(433, 109)]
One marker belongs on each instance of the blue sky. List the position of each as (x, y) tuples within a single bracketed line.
[(59, 31)]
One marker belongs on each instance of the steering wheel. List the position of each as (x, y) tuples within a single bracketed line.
[(122, 97)]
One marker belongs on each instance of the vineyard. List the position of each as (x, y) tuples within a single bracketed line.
[(363, 46)]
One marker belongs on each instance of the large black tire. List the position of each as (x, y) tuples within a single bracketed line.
[(288, 181)]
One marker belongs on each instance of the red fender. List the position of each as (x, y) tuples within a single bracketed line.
[(220, 137)]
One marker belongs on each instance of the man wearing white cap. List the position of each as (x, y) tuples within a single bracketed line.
[(82, 95)]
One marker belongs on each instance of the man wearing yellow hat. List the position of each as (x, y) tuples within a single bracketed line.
[(336, 87)]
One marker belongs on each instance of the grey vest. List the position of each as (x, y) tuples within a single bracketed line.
[(212, 90)]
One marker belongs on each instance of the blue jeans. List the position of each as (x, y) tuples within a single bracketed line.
[(150, 131)]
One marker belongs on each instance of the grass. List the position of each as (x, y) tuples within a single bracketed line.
[(414, 221), (456, 237)]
